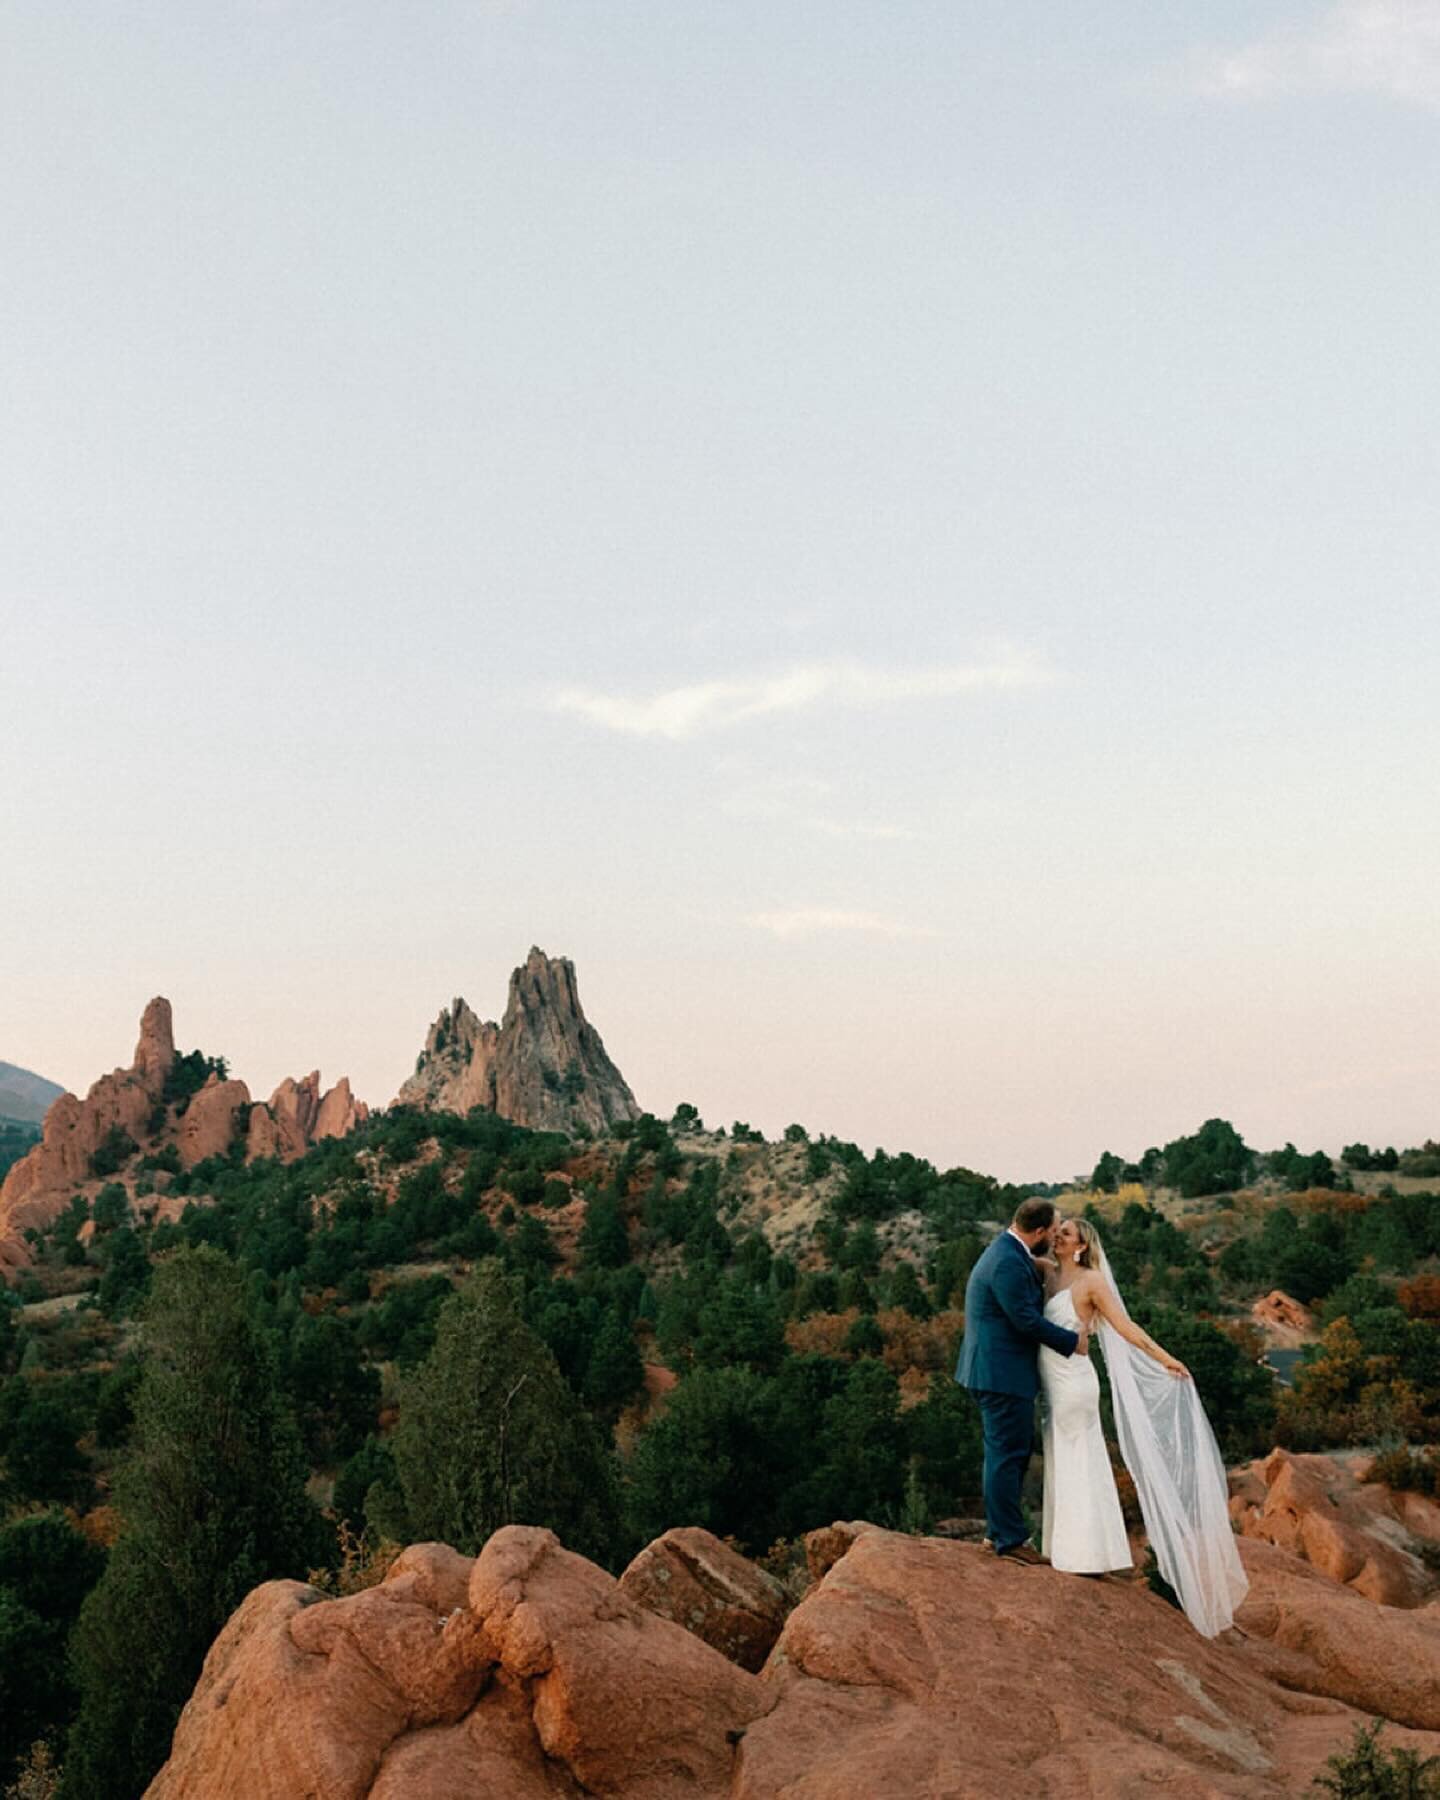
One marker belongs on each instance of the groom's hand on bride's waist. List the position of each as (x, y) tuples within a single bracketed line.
[(1082, 1343)]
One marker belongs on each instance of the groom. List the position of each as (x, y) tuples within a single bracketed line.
[(1005, 1325)]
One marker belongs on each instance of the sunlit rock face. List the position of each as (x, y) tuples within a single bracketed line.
[(544, 1065)]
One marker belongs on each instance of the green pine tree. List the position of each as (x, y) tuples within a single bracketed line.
[(491, 1434), (212, 1494)]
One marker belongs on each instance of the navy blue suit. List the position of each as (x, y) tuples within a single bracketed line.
[(1005, 1324)]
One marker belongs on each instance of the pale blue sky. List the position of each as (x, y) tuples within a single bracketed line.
[(902, 537)]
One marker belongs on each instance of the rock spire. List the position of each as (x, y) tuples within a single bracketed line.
[(544, 1065)]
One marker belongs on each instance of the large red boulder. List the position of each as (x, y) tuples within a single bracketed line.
[(630, 1703), (211, 1120), (693, 1578)]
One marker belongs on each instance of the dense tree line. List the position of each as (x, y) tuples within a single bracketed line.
[(1216, 1160)]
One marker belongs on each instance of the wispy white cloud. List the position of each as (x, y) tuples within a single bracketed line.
[(685, 712), (805, 921), (1385, 47)]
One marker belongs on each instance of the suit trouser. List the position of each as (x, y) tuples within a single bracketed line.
[(1008, 1423)]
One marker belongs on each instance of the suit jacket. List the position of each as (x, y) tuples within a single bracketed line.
[(1005, 1322)]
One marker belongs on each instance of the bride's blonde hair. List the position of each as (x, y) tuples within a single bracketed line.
[(1090, 1246)]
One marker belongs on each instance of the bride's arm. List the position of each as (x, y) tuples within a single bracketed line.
[(1110, 1309)]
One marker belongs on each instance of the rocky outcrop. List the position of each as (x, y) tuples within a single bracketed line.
[(543, 1065), (39, 1186), (456, 1069), (211, 1120), (1318, 1637), (1358, 1534), (339, 1112), (1285, 1322), (132, 1102), (298, 1115), (525, 1673), (292, 1109), (914, 1667), (690, 1576)]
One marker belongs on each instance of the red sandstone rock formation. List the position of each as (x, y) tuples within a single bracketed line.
[(296, 1106), (543, 1065), (691, 1577), (209, 1122), (1284, 1321), (914, 1668), (38, 1188), (155, 1051), (1361, 1536), (339, 1113), (1309, 1633), (298, 1115)]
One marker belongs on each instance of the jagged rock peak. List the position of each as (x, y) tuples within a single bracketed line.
[(544, 1065)]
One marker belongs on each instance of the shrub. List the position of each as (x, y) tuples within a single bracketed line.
[(187, 1075), (116, 1148), (362, 1563), (1416, 1470), (1420, 1297), (864, 1338), (1367, 1771)]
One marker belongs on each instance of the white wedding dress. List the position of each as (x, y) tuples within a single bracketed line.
[(1173, 1458), (1083, 1531)]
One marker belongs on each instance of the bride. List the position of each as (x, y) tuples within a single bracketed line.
[(1165, 1439)]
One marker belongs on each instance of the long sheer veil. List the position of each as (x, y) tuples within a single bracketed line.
[(1179, 1476)]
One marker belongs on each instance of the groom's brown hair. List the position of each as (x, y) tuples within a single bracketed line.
[(1034, 1214)]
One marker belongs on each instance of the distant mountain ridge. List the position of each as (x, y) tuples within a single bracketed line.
[(25, 1095)]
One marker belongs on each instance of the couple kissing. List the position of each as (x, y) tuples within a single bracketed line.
[(1037, 1298)]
